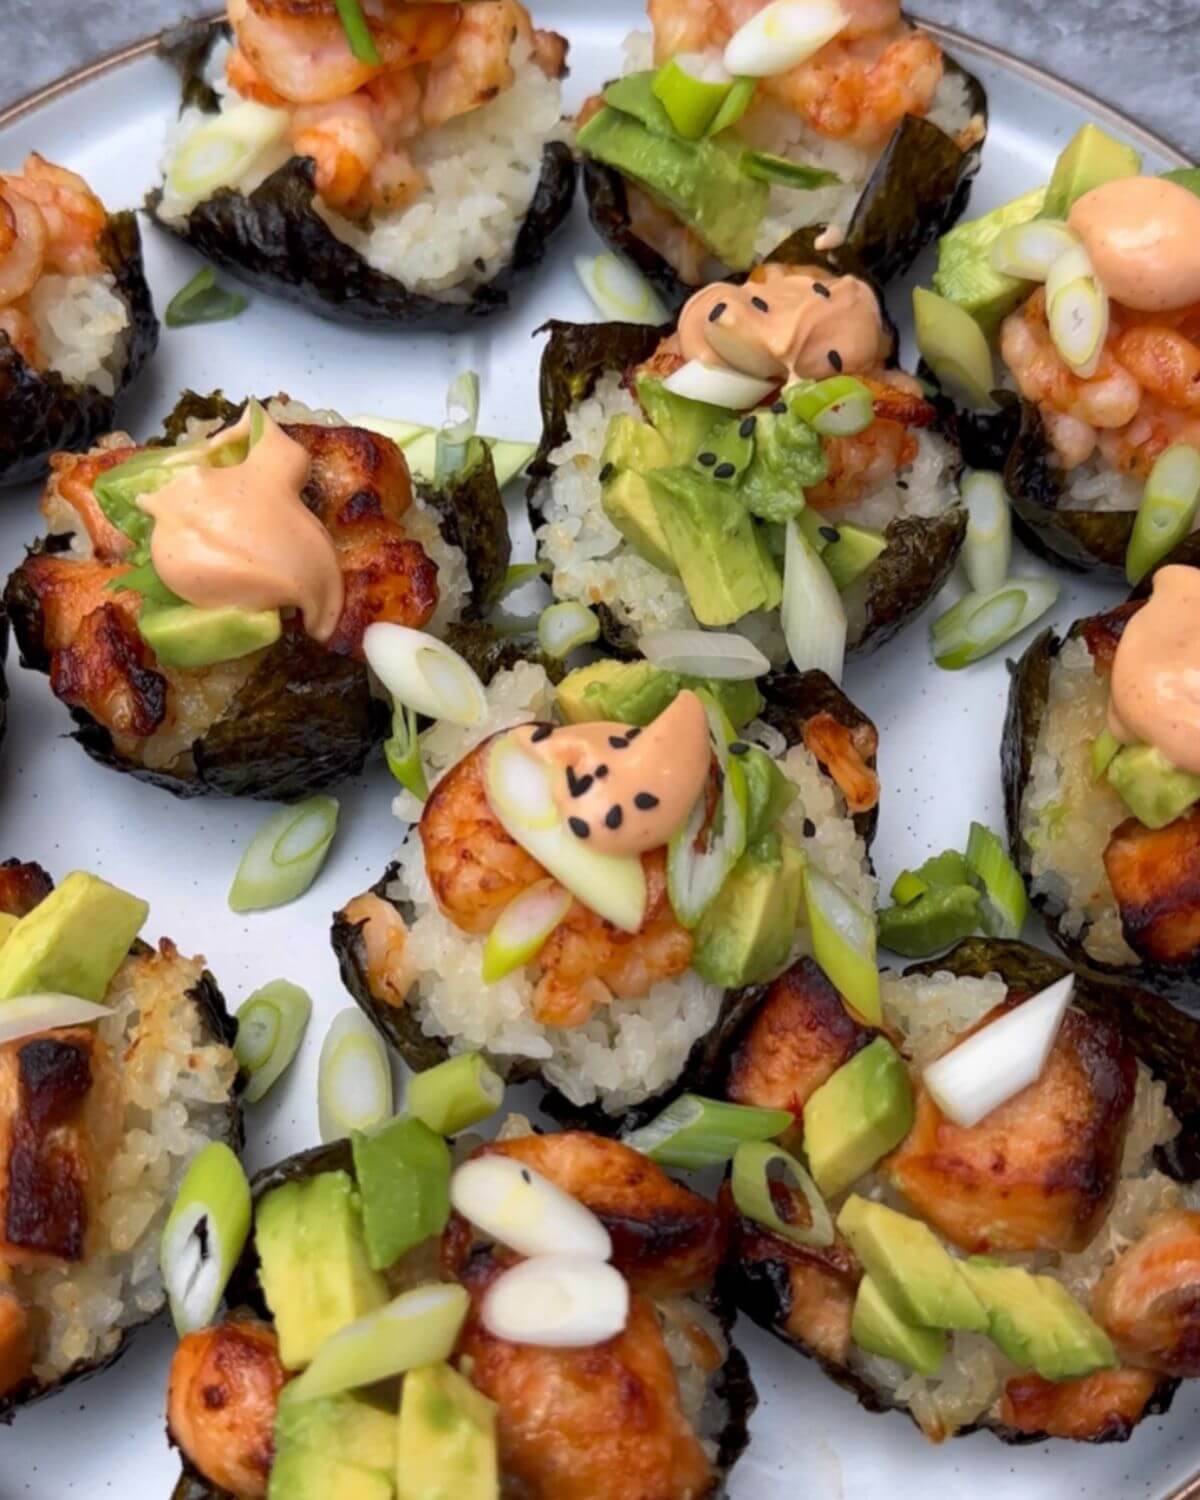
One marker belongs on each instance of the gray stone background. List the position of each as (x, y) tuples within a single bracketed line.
[(1140, 55)]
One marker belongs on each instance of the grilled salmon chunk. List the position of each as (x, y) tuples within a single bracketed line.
[(1148, 1300), (1103, 1407), (1155, 876)]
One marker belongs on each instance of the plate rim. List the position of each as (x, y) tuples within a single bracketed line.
[(955, 41)]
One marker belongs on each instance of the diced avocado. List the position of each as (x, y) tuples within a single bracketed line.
[(403, 1172), (965, 273), (728, 449), (1104, 747), (1150, 786), (932, 922), (913, 1271), (447, 1439), (635, 692), (73, 942), (876, 1327), (1035, 1322), (314, 1269), (857, 1116), (723, 565), (788, 459), (184, 636), (746, 934), (634, 444), (941, 871), (856, 548), (769, 792), (334, 1446), (682, 424), (632, 448), (1090, 158)]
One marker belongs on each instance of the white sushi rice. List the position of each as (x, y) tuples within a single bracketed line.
[(593, 563), (78, 320), (630, 1049)]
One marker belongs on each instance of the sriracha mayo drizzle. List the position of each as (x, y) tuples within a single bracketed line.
[(627, 790), (241, 535), (1143, 237), (1156, 672)]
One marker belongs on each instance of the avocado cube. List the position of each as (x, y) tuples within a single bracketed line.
[(935, 920), (919, 1278), (1035, 1322), (879, 1329), (856, 548), (857, 1116), (73, 942), (633, 448), (634, 692), (313, 1263), (447, 1439), (683, 424), (335, 1446), (769, 792), (965, 273), (1090, 158), (1150, 786), (746, 934), (403, 1172), (183, 636)]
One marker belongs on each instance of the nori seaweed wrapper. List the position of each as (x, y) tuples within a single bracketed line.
[(917, 191), (40, 412), (305, 719), (1164, 1039), (275, 240), (728, 1407), (791, 700)]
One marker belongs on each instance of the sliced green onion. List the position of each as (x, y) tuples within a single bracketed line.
[(954, 347), (1006, 904), (812, 613), (418, 1328), (936, 920), (720, 655), (1077, 310), (204, 1235), (838, 407), (271, 1025), (782, 35), (403, 752), (563, 628), (987, 550), (455, 1094), (419, 446), (1167, 512), (523, 927), (981, 623), (455, 434), (518, 575), (30, 1015), (557, 1302), (285, 855), (519, 1207), (714, 385), (693, 1132), (201, 300), (751, 1184), (692, 87), (354, 1080), (737, 102), (695, 875), (907, 888), (403, 1174), (621, 293), (358, 33), (1105, 748), (425, 674), (1027, 251), (843, 943), (222, 147), (765, 166)]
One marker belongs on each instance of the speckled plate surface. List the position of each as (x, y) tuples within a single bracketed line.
[(939, 762)]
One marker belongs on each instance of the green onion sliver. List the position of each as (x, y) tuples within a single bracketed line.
[(1105, 748), (1027, 251), (1077, 311), (838, 407), (737, 102), (621, 293), (418, 1328), (1167, 512), (271, 1025), (751, 1184), (30, 1015), (987, 550), (424, 673), (954, 347), (692, 87), (907, 888), (1006, 904), (517, 576), (719, 654), (285, 855), (358, 33), (812, 613), (455, 434), (354, 1079), (222, 147), (456, 1094), (562, 628), (201, 300), (843, 943), (403, 752), (204, 1235), (764, 166), (523, 928), (695, 876), (693, 1132), (981, 623)]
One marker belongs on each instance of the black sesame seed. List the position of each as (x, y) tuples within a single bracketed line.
[(780, 408), (760, 304), (612, 818), (831, 533), (480, 263), (747, 428), (618, 742), (542, 732), (835, 359), (606, 473), (577, 785), (739, 747), (601, 771), (707, 459), (717, 312), (810, 829), (525, 1177), (578, 827), (645, 801), (821, 289), (632, 734), (902, 484), (724, 471)]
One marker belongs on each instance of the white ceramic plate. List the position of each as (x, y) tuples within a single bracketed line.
[(939, 732)]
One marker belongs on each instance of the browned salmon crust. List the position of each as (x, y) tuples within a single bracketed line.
[(22, 887), (1100, 1408), (1155, 876)]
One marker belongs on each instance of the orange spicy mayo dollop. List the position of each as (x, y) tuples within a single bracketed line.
[(241, 535), (1155, 686), (627, 790), (1143, 237), (791, 322)]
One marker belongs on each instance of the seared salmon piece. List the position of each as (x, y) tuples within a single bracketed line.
[(847, 755), (22, 887), (16, 1340), (73, 479), (1148, 1300), (1039, 1172), (1155, 876), (1097, 1408), (667, 1240), (1102, 634), (798, 1037), (603, 1423)]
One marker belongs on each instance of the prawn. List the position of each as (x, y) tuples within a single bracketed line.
[(74, 218), (353, 143), (860, 464), (1149, 1298), (476, 66)]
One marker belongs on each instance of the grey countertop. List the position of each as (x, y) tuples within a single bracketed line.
[(1139, 55)]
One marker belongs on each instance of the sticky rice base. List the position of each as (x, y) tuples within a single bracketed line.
[(78, 320)]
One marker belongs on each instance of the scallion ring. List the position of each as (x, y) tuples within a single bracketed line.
[(201, 300), (716, 654), (1006, 904), (693, 1132), (1027, 251), (403, 752), (354, 1079), (695, 875), (271, 1026), (204, 1235), (812, 613), (838, 407), (621, 293), (981, 623), (425, 674), (462, 418), (692, 87), (563, 628), (523, 928), (1167, 512), (782, 35), (221, 148), (285, 855), (1077, 311), (843, 940), (987, 550), (29, 1015), (751, 1184), (455, 1094)]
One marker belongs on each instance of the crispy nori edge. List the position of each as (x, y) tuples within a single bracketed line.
[(918, 190), (1028, 694), (791, 699), (732, 1391), (276, 241), (305, 719), (40, 412), (1167, 1041)]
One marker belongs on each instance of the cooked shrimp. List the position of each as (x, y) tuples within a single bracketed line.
[(74, 476), (74, 217), (1164, 362), (221, 1404), (1148, 1300), (384, 939), (860, 464), (342, 140), (23, 243), (846, 754), (476, 66), (245, 79)]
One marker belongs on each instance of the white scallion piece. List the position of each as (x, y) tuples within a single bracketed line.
[(987, 550), (1077, 310), (716, 386), (621, 293), (1027, 251), (354, 1079), (783, 35), (30, 1015), (563, 628), (204, 1235), (285, 856), (220, 149), (557, 1302), (716, 654), (526, 1211), (812, 613), (523, 928), (425, 674)]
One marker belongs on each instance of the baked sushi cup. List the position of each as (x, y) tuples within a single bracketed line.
[(414, 190), (692, 172), (118, 1068), (1086, 418), (668, 512), (276, 706), (657, 1401), (1072, 1172), (613, 1014), (76, 316)]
